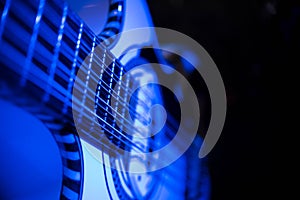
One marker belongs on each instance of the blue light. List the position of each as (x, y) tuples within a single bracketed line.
[(120, 8), (56, 54), (32, 42), (31, 166)]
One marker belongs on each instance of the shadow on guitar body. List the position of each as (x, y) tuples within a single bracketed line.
[(31, 166)]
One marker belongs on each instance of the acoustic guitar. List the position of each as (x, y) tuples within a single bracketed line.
[(44, 46)]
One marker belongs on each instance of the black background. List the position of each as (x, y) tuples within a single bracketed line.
[(253, 44)]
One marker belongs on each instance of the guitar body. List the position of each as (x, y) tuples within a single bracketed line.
[(43, 155), (96, 174)]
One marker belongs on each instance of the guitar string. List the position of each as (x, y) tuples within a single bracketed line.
[(39, 73), (118, 83), (88, 32), (131, 145), (107, 88), (102, 99), (79, 109), (166, 127), (94, 76), (120, 98), (107, 52), (130, 108), (133, 111), (149, 140), (93, 139), (114, 94)]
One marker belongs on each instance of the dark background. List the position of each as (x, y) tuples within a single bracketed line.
[(253, 44)]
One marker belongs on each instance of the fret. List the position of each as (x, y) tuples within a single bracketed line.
[(86, 46), (56, 54), (100, 78), (107, 106), (73, 71), (121, 121), (87, 80), (19, 27), (32, 42), (116, 106), (124, 104), (111, 81), (53, 49), (108, 79), (67, 60)]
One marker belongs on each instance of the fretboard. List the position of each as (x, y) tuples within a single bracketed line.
[(42, 46)]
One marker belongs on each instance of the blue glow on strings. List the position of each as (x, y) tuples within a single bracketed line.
[(38, 77), (100, 78), (89, 71), (32, 42), (111, 81), (72, 75), (120, 8), (56, 53)]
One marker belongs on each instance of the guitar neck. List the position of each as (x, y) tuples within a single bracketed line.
[(41, 51), (46, 51)]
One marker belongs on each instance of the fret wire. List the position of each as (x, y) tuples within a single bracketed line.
[(124, 104), (72, 74), (38, 76), (112, 109), (57, 86), (100, 78), (123, 86), (100, 82), (35, 79), (106, 124), (109, 92), (56, 53), (56, 95), (108, 54), (42, 88), (117, 100), (105, 102), (88, 74), (137, 115), (107, 85), (33, 40), (97, 103), (62, 88), (95, 80)]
